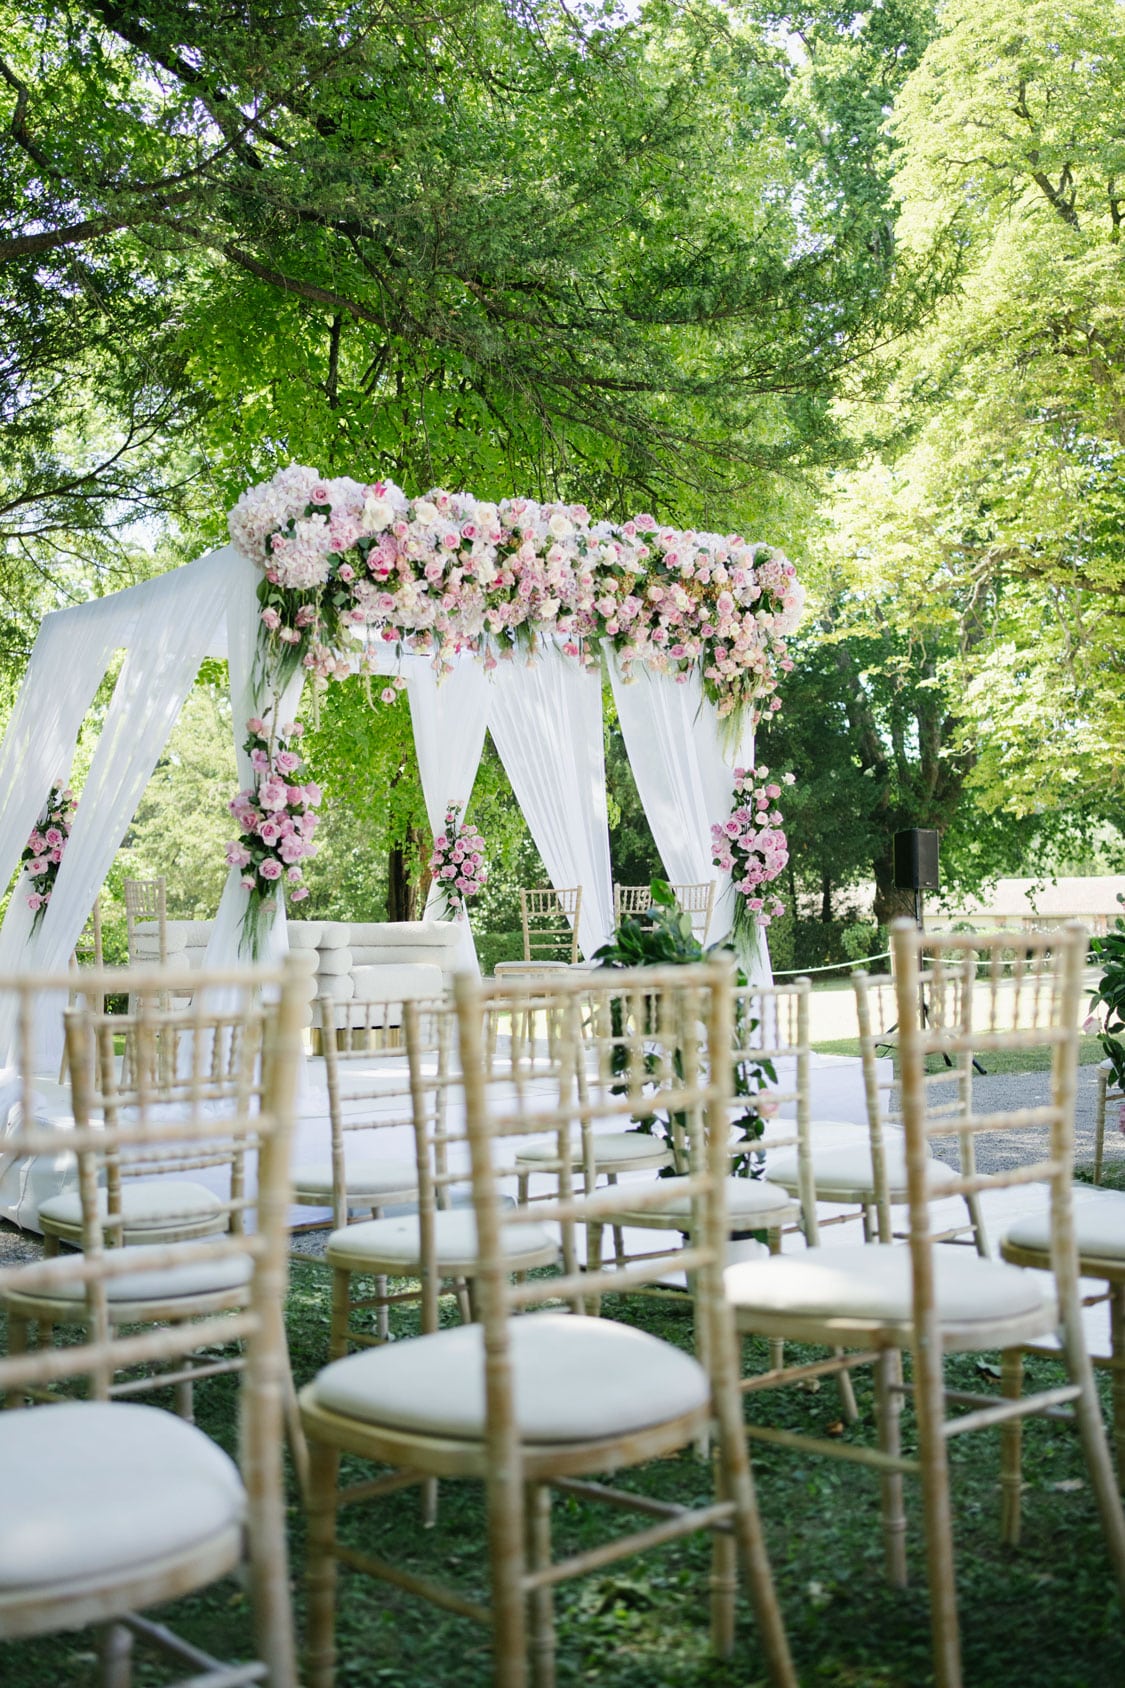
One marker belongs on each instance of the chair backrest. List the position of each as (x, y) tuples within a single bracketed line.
[(549, 917), (374, 1091), (146, 905), (231, 1102), (770, 1077), (643, 1048), (697, 899), (982, 999)]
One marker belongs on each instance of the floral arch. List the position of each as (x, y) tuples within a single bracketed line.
[(360, 577)]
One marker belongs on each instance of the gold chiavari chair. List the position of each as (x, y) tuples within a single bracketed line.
[(876, 1300), (554, 1400), (113, 1506)]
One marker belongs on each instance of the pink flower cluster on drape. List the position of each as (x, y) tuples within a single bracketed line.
[(457, 863), (43, 853), (447, 573), (751, 846), (276, 822)]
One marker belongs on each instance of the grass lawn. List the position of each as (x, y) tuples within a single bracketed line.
[(1045, 1616), (1090, 1052)]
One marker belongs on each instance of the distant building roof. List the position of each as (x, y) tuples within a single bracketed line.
[(1078, 897)]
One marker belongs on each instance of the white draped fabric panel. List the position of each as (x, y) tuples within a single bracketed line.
[(449, 717), (546, 723), (682, 759), (167, 626)]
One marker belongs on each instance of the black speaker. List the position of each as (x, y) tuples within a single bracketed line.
[(916, 860)]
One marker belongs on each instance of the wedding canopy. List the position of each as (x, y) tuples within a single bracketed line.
[(324, 578), (544, 716)]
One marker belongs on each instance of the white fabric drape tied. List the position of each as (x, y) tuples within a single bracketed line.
[(546, 722), (449, 716), (682, 760)]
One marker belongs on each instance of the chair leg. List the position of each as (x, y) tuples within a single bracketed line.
[(324, 1470), (737, 1482), (1099, 1124), (1011, 1450), (933, 1455), (542, 1599), (338, 1326), (115, 1654), (888, 1397), (17, 1344), (724, 1575), (1117, 1350), (619, 1256), (1094, 1443), (777, 1343), (976, 1220)]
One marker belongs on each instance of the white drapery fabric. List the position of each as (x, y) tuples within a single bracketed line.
[(682, 760), (166, 627), (449, 716), (546, 722)]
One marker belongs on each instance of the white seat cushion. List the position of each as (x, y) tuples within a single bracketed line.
[(846, 1170), (369, 1182), (1099, 1225), (872, 1281), (304, 934), (751, 1203), (455, 1242), (576, 1379), (612, 1149), (94, 1487), (171, 1283), (148, 1204), (398, 982)]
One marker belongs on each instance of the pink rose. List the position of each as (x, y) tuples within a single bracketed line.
[(270, 868), (256, 726), (300, 894), (238, 855), (292, 729), (1091, 1025), (286, 762), (35, 901), (270, 619), (53, 837), (292, 847), (273, 794), (312, 792), (269, 831)]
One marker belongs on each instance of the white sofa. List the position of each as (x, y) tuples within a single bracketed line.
[(391, 961)]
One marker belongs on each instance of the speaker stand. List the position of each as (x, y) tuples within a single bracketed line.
[(923, 1009)]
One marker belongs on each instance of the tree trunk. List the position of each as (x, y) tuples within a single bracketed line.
[(891, 901), (825, 898), (400, 888)]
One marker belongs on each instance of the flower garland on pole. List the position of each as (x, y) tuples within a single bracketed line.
[(751, 846), (457, 863), (276, 822), (347, 568), (43, 853)]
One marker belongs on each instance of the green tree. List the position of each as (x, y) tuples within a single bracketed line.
[(1007, 504)]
